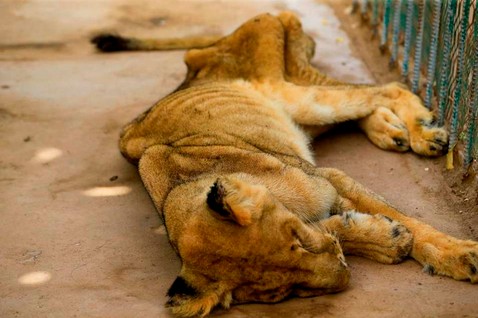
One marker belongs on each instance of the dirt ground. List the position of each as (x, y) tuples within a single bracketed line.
[(79, 235)]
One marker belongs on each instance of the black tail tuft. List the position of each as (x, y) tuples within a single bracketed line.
[(110, 43)]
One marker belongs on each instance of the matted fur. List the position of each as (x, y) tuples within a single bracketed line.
[(226, 161)]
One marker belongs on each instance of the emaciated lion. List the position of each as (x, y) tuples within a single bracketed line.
[(226, 160)]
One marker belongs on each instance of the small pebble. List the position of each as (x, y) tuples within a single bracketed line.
[(113, 178), (426, 169), (27, 139), (30, 256), (160, 230)]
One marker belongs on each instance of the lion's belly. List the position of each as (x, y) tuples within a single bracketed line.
[(222, 114)]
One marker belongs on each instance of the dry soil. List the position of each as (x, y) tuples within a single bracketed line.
[(79, 235)]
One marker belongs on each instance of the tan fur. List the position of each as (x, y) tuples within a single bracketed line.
[(229, 169), (170, 44)]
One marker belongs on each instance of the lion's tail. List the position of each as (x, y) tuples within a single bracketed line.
[(112, 43)]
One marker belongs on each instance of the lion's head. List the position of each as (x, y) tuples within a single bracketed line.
[(238, 243)]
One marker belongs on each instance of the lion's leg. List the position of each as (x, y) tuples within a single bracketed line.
[(437, 252), (373, 236), (324, 105), (383, 131), (299, 49), (156, 173)]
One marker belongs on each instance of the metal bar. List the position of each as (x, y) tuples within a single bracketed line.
[(396, 32), (433, 52), (473, 112), (446, 62), (364, 7), (418, 47), (459, 75), (386, 22), (375, 13), (408, 38)]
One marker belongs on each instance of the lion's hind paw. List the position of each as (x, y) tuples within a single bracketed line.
[(428, 140), (386, 130)]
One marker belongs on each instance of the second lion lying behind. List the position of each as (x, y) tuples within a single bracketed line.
[(225, 159)]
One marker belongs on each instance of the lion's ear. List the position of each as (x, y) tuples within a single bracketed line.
[(236, 200), (185, 300), (181, 287)]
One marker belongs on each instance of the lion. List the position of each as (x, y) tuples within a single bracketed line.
[(226, 160)]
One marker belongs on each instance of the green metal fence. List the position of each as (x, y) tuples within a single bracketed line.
[(435, 45)]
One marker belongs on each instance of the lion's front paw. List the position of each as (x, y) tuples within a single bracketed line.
[(376, 237), (428, 140), (448, 256)]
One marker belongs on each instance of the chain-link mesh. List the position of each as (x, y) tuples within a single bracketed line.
[(435, 44)]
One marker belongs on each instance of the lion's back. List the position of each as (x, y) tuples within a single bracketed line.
[(215, 114)]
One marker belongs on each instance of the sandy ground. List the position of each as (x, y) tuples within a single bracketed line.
[(79, 235)]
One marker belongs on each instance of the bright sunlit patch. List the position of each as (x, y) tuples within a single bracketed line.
[(107, 191), (47, 154), (34, 278)]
